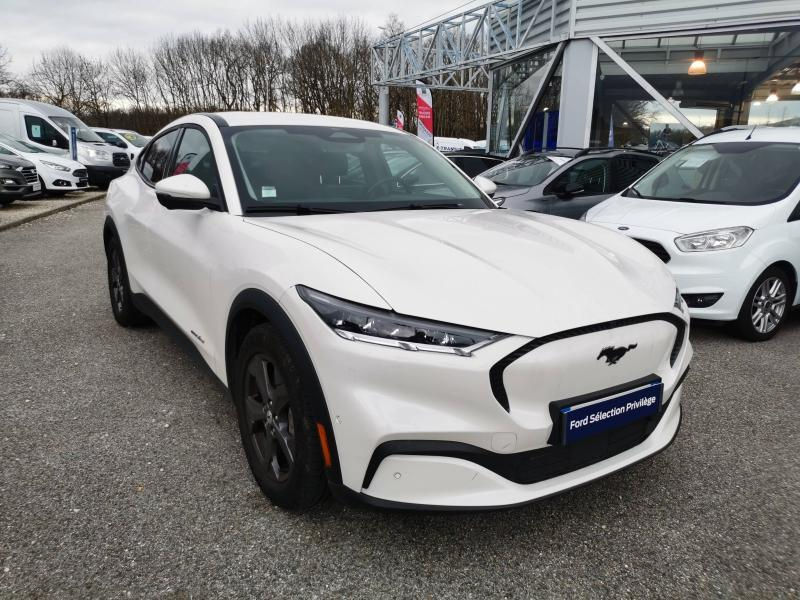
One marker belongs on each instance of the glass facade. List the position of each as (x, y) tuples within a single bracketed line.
[(715, 80), (514, 86)]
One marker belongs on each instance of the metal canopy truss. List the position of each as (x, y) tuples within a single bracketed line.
[(457, 51)]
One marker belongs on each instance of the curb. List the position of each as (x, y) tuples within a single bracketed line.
[(56, 209)]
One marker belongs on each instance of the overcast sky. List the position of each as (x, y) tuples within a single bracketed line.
[(94, 27)]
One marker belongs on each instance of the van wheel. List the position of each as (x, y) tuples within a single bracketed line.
[(765, 307), (274, 411)]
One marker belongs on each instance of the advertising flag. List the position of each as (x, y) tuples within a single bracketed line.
[(424, 113), (400, 121)]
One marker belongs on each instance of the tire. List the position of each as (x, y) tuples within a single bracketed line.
[(766, 306), (119, 288), (6, 201), (274, 412)]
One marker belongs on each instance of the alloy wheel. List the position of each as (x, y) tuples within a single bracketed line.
[(269, 417), (769, 305)]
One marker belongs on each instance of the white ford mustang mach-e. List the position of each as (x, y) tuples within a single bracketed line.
[(385, 332)]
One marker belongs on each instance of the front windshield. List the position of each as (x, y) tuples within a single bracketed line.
[(735, 173), (134, 138), (19, 145), (84, 133), (526, 170), (342, 169)]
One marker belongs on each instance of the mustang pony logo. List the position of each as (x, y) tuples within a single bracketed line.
[(612, 354)]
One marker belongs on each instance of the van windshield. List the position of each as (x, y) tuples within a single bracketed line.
[(734, 173), (84, 133)]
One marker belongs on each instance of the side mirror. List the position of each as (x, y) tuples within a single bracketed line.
[(55, 144), (184, 192), (487, 186), (569, 190)]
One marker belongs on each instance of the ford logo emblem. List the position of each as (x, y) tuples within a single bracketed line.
[(623, 228)]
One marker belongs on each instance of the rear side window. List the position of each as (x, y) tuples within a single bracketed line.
[(156, 162), (42, 132), (194, 157), (628, 169)]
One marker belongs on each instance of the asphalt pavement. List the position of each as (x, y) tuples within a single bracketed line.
[(122, 475)]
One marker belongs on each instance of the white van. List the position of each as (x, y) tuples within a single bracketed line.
[(47, 127)]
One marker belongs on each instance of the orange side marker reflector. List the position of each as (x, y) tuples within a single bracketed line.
[(323, 441)]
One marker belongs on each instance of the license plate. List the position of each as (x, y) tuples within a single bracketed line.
[(581, 421), (36, 186)]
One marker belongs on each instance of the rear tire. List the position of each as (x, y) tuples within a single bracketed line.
[(119, 288), (766, 306), (274, 411)]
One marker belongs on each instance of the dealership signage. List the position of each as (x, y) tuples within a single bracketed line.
[(424, 113), (400, 121)]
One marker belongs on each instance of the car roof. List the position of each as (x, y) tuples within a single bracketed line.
[(755, 133), (242, 119)]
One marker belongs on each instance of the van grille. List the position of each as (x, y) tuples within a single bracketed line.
[(80, 173), (121, 159)]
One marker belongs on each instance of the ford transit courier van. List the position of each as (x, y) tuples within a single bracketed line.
[(47, 127)]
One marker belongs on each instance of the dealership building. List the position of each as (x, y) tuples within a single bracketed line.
[(652, 74)]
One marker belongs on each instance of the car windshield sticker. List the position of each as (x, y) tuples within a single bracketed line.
[(268, 191), (36, 131)]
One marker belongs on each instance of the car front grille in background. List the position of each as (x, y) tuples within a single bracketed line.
[(121, 160), (80, 173), (29, 173), (656, 249)]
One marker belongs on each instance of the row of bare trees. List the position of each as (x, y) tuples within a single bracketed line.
[(318, 66)]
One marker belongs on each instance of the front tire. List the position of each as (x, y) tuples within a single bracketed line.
[(274, 412), (119, 288), (766, 306)]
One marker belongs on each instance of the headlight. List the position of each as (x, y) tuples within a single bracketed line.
[(718, 239), (87, 152), (366, 324), (54, 166), (102, 154)]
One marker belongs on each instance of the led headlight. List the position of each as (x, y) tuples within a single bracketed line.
[(55, 166), (718, 239), (366, 324)]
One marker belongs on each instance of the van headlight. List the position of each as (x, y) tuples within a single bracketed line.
[(717, 239), (54, 166), (377, 326)]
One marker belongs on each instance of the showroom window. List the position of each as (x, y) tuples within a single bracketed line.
[(715, 80), (514, 87)]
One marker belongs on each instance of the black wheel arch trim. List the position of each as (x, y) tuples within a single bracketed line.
[(270, 309), (498, 369)]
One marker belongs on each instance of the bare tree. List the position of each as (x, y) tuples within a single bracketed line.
[(5, 70)]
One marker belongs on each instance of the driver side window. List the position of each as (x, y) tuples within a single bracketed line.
[(591, 174), (42, 132), (156, 162), (194, 157)]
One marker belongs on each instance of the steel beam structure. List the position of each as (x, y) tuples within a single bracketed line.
[(457, 51)]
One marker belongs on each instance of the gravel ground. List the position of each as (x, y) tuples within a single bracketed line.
[(122, 475)]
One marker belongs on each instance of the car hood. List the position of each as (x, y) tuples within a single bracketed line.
[(677, 217), (502, 270), (58, 160)]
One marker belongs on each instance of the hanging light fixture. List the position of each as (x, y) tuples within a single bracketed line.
[(698, 66), (773, 95)]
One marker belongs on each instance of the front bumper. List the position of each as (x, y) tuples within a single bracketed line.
[(727, 272), (102, 176), (381, 398)]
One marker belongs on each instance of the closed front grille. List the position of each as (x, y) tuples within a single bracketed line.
[(121, 160), (29, 173), (80, 173), (656, 249)]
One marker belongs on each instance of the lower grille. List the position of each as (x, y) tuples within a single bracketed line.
[(656, 249), (80, 173), (121, 160)]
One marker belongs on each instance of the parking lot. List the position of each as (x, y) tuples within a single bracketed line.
[(123, 475)]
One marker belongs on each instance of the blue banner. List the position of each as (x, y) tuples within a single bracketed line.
[(590, 418), (73, 143)]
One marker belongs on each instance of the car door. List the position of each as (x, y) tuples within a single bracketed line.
[(180, 249), (592, 175)]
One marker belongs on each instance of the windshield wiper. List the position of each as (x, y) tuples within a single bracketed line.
[(418, 206), (297, 209)]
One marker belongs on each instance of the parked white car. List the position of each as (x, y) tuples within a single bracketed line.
[(352, 311), (724, 215), (57, 174), (124, 139)]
